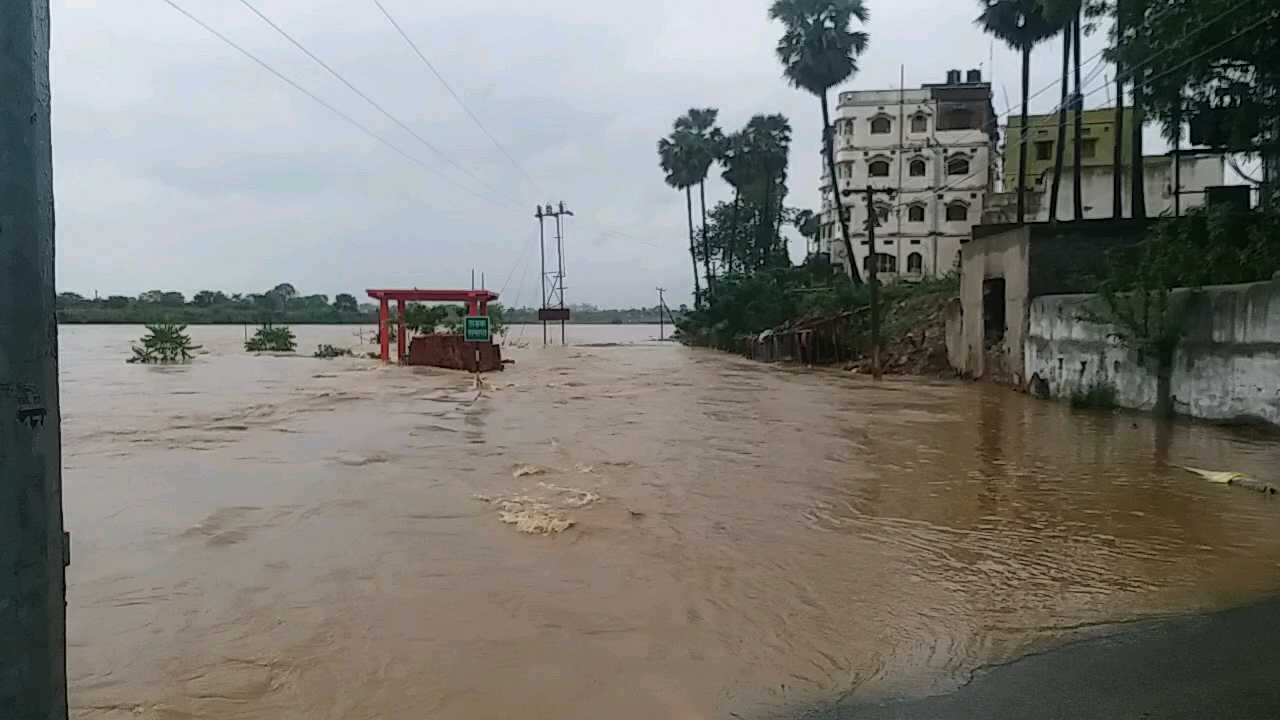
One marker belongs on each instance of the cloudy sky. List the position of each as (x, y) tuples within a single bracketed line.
[(181, 164)]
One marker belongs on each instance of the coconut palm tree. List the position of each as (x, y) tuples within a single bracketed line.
[(818, 51), (705, 144), (674, 157), (1020, 24)]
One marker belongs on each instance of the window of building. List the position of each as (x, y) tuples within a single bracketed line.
[(958, 165), (1089, 147), (957, 211), (919, 123), (882, 212), (917, 168), (845, 170), (884, 263), (880, 126), (878, 168), (1044, 150), (915, 263), (1088, 132), (915, 213)]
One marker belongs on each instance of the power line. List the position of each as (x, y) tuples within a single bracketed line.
[(328, 68), (323, 103), (430, 66), (1133, 71)]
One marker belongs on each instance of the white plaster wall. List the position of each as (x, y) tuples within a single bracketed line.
[(1227, 366)]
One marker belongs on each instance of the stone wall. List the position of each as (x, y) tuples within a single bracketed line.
[(1227, 366)]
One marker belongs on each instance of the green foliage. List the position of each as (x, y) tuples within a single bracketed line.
[(212, 307), (1232, 61), (425, 319), (164, 343), (330, 351), (1216, 245), (818, 50), (272, 338), (1020, 24)]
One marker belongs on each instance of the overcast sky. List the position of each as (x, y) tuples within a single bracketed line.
[(181, 164)]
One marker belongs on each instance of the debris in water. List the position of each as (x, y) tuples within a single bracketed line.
[(585, 468), (523, 470), (1227, 477)]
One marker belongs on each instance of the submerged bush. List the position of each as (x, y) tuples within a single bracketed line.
[(272, 338), (164, 343), (330, 351)]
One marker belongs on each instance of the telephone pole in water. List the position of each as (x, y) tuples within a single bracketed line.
[(873, 280), (33, 550)]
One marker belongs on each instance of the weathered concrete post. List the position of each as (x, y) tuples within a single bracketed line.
[(32, 549)]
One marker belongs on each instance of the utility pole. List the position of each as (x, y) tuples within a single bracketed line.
[(542, 252), (33, 549), (560, 256), (873, 280), (661, 304), (553, 281)]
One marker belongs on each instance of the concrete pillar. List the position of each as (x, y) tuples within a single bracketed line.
[(401, 332), (32, 548), (384, 337)]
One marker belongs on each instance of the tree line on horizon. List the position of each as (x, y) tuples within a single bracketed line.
[(281, 304)]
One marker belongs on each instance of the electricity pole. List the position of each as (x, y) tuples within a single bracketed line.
[(873, 281), (542, 252), (33, 549), (553, 281), (661, 304)]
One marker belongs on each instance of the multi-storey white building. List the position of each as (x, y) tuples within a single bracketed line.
[(933, 147)]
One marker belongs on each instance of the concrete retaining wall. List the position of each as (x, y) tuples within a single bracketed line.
[(1227, 366)]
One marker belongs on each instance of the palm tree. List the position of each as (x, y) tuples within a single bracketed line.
[(768, 143), (1020, 24), (673, 155), (734, 158), (705, 142), (818, 51), (1062, 13)]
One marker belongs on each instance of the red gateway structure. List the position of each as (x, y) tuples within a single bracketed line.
[(477, 304)]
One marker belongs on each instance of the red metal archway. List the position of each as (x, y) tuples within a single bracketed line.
[(477, 304)]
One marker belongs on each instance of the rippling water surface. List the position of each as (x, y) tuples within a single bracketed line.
[(271, 538)]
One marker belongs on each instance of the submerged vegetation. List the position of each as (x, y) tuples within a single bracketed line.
[(272, 338), (327, 351), (164, 343)]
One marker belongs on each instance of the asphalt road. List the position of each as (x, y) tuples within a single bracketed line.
[(1204, 667)]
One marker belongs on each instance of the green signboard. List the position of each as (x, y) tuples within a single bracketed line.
[(476, 328)]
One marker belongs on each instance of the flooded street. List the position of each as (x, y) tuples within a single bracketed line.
[(272, 538)]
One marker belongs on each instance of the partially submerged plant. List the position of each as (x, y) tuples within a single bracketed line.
[(329, 351), (164, 343), (272, 338)]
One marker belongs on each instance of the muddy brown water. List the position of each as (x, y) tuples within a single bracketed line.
[(268, 538)]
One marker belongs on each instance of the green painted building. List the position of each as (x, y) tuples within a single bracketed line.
[(1098, 137)]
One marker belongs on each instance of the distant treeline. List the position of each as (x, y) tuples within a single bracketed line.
[(281, 304), (592, 315)]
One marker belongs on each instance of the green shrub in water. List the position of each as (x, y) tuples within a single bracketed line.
[(164, 343), (272, 338)]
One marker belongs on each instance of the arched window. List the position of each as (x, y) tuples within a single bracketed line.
[(880, 126), (958, 165), (878, 168), (915, 263), (915, 213), (884, 263), (957, 211), (919, 123), (917, 168)]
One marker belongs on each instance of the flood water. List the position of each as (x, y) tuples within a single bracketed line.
[(270, 538)]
